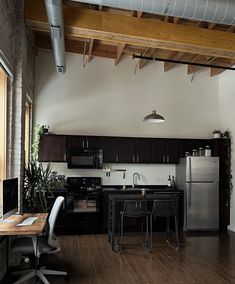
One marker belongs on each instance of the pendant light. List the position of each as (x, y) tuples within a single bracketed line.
[(154, 117)]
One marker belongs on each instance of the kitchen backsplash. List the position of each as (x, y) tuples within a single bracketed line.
[(149, 174)]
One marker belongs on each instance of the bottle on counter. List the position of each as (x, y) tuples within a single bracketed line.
[(173, 182), (169, 181)]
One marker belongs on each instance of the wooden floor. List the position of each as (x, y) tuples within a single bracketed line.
[(202, 259)]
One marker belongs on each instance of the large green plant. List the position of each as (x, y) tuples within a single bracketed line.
[(37, 186)]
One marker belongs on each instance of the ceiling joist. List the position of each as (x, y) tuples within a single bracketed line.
[(113, 27)]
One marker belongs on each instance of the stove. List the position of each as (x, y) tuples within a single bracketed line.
[(83, 185), (83, 203)]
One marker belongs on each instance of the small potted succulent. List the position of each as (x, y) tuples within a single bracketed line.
[(216, 134)]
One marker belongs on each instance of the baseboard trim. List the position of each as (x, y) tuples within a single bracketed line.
[(231, 228)]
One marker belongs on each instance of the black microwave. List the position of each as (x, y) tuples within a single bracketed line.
[(80, 158)]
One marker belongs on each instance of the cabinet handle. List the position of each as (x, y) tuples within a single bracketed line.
[(83, 144), (133, 158), (137, 158), (164, 159), (117, 158), (65, 157), (168, 159), (87, 144)]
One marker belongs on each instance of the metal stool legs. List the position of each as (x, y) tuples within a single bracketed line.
[(167, 231), (146, 244)]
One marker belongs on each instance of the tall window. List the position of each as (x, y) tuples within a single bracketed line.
[(27, 131), (3, 128)]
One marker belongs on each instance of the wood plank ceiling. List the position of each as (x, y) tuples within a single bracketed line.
[(98, 31)]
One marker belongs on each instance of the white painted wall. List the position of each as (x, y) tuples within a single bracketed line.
[(103, 99), (227, 122)]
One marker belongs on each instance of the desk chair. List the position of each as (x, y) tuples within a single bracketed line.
[(134, 209), (47, 244), (165, 206)]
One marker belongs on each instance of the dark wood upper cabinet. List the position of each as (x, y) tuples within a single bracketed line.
[(143, 150), (76, 141), (126, 150), (84, 141), (110, 149), (172, 151), (187, 145), (93, 142), (158, 150), (165, 151), (52, 148)]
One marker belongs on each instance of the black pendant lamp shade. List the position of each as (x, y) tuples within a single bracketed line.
[(154, 117)]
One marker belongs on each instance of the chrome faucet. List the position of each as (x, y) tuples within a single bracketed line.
[(135, 180)]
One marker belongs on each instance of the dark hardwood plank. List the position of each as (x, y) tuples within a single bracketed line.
[(202, 259)]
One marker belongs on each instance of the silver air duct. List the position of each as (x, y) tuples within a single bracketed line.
[(55, 20), (215, 11)]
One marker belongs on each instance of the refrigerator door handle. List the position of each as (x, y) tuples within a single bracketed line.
[(189, 170), (189, 194)]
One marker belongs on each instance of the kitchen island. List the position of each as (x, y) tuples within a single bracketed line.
[(116, 199)]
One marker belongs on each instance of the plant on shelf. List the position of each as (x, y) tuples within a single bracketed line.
[(38, 131), (216, 133)]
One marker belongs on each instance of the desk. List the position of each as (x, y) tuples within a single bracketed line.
[(120, 198), (10, 229)]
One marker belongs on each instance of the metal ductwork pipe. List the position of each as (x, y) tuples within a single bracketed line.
[(55, 19), (215, 11)]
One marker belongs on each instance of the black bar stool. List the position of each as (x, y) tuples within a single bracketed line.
[(134, 209), (165, 205)]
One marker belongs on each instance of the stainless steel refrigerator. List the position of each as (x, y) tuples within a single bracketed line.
[(199, 178)]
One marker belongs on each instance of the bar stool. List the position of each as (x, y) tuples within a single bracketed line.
[(165, 205), (134, 209)]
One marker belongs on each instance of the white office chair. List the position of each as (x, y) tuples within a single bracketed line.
[(47, 244)]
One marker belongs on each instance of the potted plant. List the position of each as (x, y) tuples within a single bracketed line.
[(216, 134), (37, 186), (38, 180)]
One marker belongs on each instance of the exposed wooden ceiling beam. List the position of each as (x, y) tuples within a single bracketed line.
[(211, 25), (75, 46), (199, 59), (120, 49), (90, 50), (132, 30), (170, 65), (176, 20), (142, 62), (231, 29), (217, 71)]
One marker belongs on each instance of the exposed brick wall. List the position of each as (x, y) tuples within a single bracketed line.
[(16, 47)]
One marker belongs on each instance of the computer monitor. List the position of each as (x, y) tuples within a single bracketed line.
[(10, 197)]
